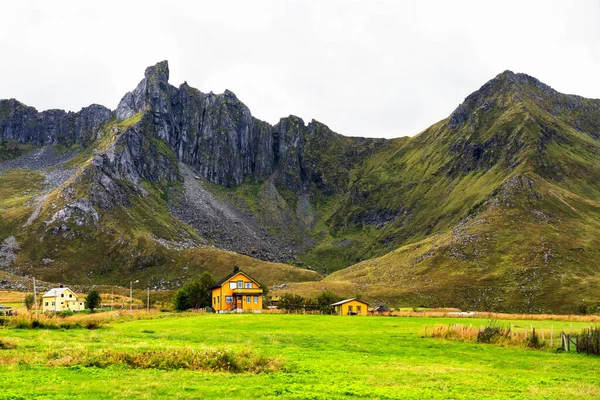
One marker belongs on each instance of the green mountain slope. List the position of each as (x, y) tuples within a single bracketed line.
[(505, 205)]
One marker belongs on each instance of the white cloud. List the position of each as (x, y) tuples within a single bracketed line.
[(363, 68)]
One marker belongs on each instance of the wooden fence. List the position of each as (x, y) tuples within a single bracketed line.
[(587, 342)]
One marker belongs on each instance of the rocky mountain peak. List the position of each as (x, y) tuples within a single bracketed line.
[(504, 90), (160, 70), (155, 82)]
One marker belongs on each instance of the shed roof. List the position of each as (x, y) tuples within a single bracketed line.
[(381, 308), (339, 303)]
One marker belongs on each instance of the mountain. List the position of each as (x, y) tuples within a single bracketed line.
[(495, 207)]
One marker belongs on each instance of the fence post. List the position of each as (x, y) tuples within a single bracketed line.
[(543, 336)]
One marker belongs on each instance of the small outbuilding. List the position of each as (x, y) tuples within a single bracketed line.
[(381, 309), (5, 310), (350, 307)]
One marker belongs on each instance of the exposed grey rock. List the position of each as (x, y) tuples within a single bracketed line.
[(8, 250), (39, 159), (80, 213), (27, 125)]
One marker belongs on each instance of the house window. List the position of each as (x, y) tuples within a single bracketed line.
[(46, 304), (240, 283), (248, 285), (255, 299), (52, 303), (248, 299), (358, 309), (70, 296), (229, 299), (62, 302), (62, 295), (349, 309), (232, 285)]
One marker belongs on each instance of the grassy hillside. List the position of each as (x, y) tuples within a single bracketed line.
[(504, 210)]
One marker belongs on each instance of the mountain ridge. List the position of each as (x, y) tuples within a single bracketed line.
[(172, 169)]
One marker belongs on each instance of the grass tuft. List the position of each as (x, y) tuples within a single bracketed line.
[(171, 359)]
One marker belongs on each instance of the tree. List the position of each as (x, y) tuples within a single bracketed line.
[(325, 299), (29, 301), (93, 300), (195, 294)]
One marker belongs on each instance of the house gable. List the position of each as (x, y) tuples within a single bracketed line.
[(237, 292)]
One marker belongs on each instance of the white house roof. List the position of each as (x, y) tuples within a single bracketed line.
[(339, 303), (56, 292)]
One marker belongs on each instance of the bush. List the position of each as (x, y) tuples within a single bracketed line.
[(493, 333), (533, 341), (29, 302), (65, 313), (195, 294), (325, 299)]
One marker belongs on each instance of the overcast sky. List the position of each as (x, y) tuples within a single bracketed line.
[(382, 69)]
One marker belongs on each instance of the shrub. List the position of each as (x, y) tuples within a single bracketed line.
[(195, 294), (325, 299), (493, 333), (533, 341)]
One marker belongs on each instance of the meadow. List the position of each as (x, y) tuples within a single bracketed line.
[(308, 357)]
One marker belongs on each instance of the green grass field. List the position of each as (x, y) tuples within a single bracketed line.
[(324, 357)]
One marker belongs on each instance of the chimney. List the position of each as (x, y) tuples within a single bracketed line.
[(236, 268), (61, 286)]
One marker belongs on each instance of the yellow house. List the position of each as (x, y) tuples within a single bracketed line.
[(61, 299), (350, 307), (237, 292)]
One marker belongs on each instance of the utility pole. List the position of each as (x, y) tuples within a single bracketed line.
[(131, 296), (35, 299)]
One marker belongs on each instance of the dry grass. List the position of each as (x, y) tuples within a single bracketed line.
[(26, 320), (493, 333), (446, 313), (11, 297), (168, 359), (6, 344)]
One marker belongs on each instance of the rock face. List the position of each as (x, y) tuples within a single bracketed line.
[(218, 136), (27, 125)]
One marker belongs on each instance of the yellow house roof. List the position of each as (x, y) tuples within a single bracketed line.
[(236, 271), (339, 303)]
